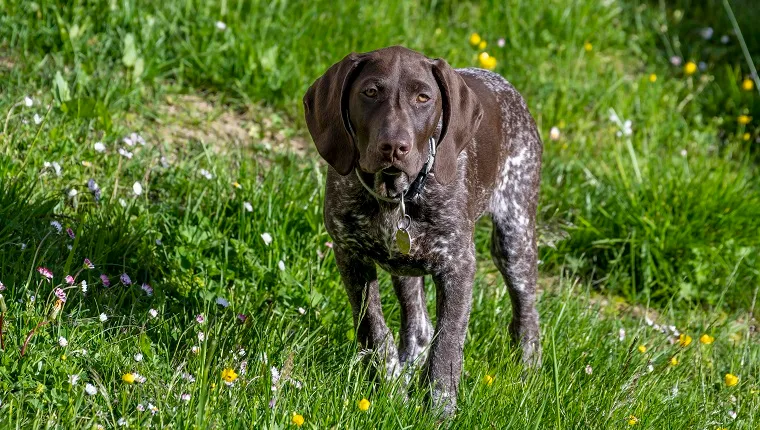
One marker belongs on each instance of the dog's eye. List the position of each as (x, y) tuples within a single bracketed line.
[(422, 98), (370, 92)]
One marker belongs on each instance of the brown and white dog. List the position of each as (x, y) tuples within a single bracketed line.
[(386, 120)]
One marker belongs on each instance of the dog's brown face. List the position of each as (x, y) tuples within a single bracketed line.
[(394, 105)]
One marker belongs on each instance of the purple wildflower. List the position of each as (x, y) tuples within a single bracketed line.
[(88, 264), (200, 319), (94, 189), (69, 279), (60, 294), (242, 318), (70, 232), (2, 286), (125, 279), (44, 271), (106, 281), (148, 289)]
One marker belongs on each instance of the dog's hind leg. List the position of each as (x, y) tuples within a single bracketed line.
[(416, 329)]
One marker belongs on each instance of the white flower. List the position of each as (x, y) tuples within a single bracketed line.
[(140, 407), (185, 397), (706, 33), (153, 313), (137, 188), (554, 133), (281, 265), (220, 26), (621, 334), (73, 193), (84, 286), (275, 377), (73, 379), (650, 368), (732, 414), (123, 202), (248, 207), (302, 311), (684, 153), (201, 336), (63, 342), (37, 119), (57, 226), (241, 352), (122, 422), (589, 370), (188, 377), (28, 102), (139, 378), (90, 390), (153, 410), (99, 147), (125, 153), (221, 301), (206, 174), (648, 321), (56, 168), (725, 39), (501, 42), (195, 349), (138, 357), (200, 319), (267, 238), (103, 317)]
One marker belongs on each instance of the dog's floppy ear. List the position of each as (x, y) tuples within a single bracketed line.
[(462, 113), (326, 110)]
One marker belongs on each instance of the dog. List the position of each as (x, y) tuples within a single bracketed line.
[(417, 153)]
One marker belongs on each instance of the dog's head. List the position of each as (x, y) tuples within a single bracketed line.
[(376, 112)]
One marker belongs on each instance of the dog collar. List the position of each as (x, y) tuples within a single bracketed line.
[(415, 188)]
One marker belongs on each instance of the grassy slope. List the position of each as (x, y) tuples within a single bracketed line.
[(644, 222)]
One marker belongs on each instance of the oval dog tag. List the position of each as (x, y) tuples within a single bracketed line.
[(403, 241)]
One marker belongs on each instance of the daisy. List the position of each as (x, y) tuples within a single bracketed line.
[(200, 319), (201, 336), (73, 379), (138, 357), (37, 119), (554, 133), (28, 102), (220, 26), (589, 370), (60, 294), (247, 206), (153, 313), (103, 317), (69, 279), (194, 349), (140, 407), (126, 154), (99, 147), (73, 193), (63, 342), (206, 174), (90, 390), (44, 271), (267, 238), (57, 226), (83, 286), (185, 397)]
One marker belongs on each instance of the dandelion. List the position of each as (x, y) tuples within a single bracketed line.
[(153, 313), (61, 294), (63, 342), (99, 147), (37, 119), (706, 339), (690, 68), (684, 340), (475, 39), (363, 404), (185, 397), (731, 380), (125, 279), (220, 26), (281, 265), (137, 188), (747, 84), (589, 370), (103, 317), (73, 379), (138, 357), (147, 288), (200, 319), (674, 361), (221, 301), (45, 272), (588, 47), (652, 78), (744, 119), (487, 380), (128, 378), (501, 42), (642, 348), (90, 390), (83, 286), (297, 420), (28, 102), (104, 279), (632, 420), (746, 136), (486, 61), (554, 133), (229, 376), (248, 207)]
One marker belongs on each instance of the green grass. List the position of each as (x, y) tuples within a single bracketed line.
[(661, 223)]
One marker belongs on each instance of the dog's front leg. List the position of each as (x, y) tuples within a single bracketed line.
[(360, 280), (453, 305)]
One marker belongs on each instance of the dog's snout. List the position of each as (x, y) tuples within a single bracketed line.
[(395, 150)]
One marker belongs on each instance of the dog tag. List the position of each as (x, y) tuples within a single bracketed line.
[(403, 238)]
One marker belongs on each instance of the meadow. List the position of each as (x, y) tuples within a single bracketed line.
[(164, 263)]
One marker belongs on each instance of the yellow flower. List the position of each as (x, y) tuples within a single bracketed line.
[(297, 420), (747, 84), (744, 119), (488, 379), (642, 348), (229, 375), (588, 46), (475, 39), (363, 404), (486, 61), (128, 378), (482, 44), (690, 68), (684, 340), (674, 361), (236, 184), (63, 357), (652, 78), (632, 420), (746, 136), (706, 339), (731, 380)]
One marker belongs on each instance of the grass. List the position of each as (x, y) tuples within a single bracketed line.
[(640, 232)]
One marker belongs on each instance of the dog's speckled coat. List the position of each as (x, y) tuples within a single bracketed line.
[(488, 161)]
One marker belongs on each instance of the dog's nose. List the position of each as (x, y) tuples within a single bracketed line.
[(395, 150)]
